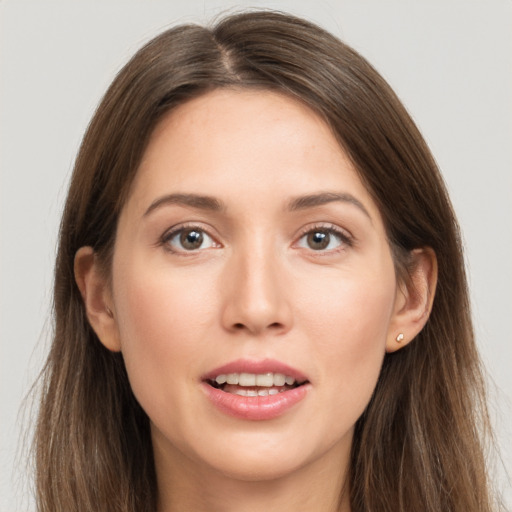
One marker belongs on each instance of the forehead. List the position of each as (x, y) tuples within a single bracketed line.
[(227, 117), (245, 141)]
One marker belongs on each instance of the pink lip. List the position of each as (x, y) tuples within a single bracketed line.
[(263, 366), (257, 407)]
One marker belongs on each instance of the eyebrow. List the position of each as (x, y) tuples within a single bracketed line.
[(213, 204), (322, 198), (190, 200)]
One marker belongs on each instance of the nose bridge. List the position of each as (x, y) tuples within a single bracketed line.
[(255, 298)]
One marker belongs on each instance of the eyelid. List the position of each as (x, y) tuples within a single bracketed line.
[(347, 239), (170, 233)]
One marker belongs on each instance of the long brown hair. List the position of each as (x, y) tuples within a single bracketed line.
[(418, 446)]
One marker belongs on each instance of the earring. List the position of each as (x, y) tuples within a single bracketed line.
[(400, 338), (109, 312)]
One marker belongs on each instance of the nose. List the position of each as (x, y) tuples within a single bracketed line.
[(255, 294)]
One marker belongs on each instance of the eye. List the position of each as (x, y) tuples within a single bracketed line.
[(324, 239), (188, 239)]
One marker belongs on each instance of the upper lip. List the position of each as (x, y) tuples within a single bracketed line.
[(256, 367)]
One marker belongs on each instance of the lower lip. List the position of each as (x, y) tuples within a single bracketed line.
[(255, 408)]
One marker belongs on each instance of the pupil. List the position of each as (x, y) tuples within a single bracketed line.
[(191, 239), (318, 240)]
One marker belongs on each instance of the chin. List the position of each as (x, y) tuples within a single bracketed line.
[(257, 468), (266, 457)]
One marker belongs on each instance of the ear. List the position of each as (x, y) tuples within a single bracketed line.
[(95, 290), (414, 299)]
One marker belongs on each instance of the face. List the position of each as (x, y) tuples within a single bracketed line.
[(249, 251)]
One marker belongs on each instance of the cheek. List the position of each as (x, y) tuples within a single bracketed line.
[(352, 309), (348, 323), (163, 322)]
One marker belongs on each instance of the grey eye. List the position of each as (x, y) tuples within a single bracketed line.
[(189, 239), (322, 240), (318, 240)]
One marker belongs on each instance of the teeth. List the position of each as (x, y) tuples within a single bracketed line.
[(232, 378), (266, 380), (279, 379), (260, 392), (247, 379)]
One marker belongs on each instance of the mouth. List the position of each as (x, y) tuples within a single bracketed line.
[(255, 384)]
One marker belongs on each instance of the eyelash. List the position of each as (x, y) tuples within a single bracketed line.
[(169, 235), (345, 239)]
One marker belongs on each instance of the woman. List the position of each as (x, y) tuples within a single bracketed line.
[(260, 296)]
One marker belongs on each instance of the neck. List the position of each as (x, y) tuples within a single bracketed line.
[(319, 486)]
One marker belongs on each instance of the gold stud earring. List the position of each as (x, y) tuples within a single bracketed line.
[(400, 338)]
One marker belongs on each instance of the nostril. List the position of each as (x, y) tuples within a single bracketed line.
[(239, 326)]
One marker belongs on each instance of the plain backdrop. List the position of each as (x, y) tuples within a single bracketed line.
[(449, 61)]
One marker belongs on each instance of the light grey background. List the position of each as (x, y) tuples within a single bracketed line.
[(449, 61)]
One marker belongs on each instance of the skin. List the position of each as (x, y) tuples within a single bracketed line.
[(255, 289)]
